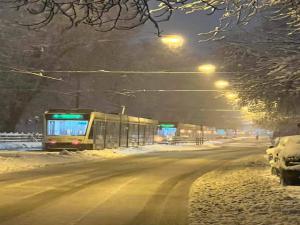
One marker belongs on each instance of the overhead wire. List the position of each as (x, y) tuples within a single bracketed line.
[(127, 72), (27, 72)]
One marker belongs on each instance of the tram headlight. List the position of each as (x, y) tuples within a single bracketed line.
[(52, 142), (158, 138), (75, 142)]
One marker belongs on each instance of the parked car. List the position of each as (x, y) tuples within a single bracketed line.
[(284, 158)]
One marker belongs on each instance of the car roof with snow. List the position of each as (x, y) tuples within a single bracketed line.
[(290, 146)]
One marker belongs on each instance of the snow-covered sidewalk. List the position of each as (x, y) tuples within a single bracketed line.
[(21, 146), (167, 148), (243, 192), (13, 161)]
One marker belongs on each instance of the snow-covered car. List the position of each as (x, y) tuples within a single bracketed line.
[(284, 158), (272, 153)]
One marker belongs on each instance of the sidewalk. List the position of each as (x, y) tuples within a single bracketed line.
[(243, 193)]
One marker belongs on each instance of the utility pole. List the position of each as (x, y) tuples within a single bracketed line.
[(123, 109), (202, 135), (78, 86)]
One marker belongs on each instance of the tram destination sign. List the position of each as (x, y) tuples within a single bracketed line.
[(67, 116), (167, 125)]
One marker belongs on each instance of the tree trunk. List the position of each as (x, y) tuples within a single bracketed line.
[(18, 106)]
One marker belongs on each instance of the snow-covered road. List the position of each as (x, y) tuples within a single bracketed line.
[(142, 189)]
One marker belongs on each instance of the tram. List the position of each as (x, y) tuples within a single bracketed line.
[(174, 132), (81, 129)]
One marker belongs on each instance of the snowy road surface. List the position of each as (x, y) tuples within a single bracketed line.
[(146, 189)]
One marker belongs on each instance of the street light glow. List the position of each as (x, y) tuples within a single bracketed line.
[(244, 109), (231, 95), (221, 84), (173, 41), (207, 69)]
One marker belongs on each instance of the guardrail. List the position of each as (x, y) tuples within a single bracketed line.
[(20, 137)]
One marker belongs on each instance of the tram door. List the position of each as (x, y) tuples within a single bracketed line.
[(99, 135), (142, 132), (112, 134)]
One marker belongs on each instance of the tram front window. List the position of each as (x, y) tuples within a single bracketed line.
[(167, 132), (66, 127)]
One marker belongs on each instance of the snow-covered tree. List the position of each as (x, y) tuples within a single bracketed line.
[(266, 60), (25, 55), (122, 15)]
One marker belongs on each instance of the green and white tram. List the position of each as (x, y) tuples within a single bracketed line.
[(87, 129)]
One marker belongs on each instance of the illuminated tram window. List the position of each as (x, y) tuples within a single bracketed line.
[(67, 127)]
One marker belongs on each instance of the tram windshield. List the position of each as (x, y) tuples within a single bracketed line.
[(66, 127), (167, 132)]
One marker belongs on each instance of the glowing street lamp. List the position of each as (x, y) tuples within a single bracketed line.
[(231, 96), (244, 109), (221, 84), (207, 69), (173, 41)]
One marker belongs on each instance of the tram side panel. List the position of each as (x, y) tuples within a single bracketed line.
[(112, 134)]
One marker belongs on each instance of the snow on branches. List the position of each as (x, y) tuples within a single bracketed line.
[(266, 59), (241, 13), (106, 15)]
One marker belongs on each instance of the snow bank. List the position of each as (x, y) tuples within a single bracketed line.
[(248, 142), (292, 191), (243, 192), (21, 145), (13, 161), (165, 148)]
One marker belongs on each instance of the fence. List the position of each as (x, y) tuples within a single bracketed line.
[(20, 137)]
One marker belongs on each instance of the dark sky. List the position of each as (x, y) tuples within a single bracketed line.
[(187, 25), (183, 107)]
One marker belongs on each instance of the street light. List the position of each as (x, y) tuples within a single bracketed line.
[(244, 109), (221, 84), (207, 69), (173, 41), (231, 96)]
